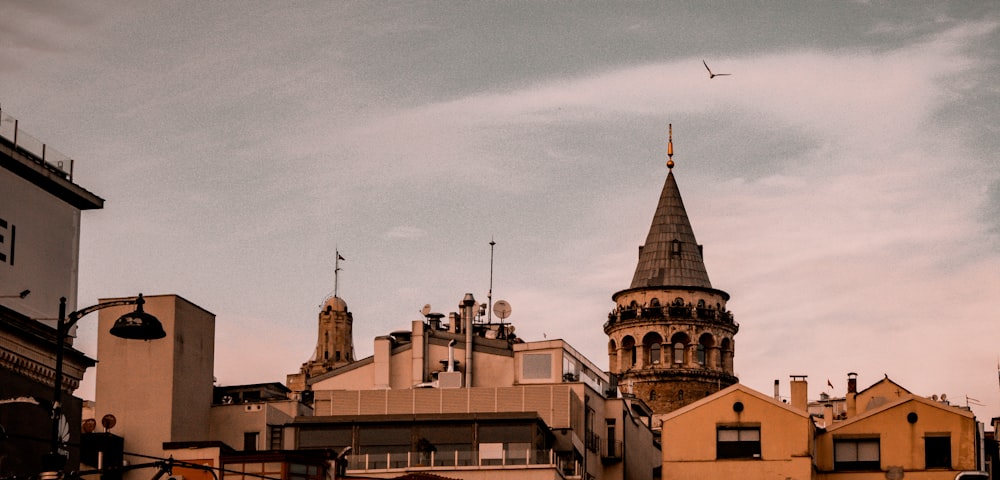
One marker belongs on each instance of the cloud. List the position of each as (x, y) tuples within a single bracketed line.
[(404, 231)]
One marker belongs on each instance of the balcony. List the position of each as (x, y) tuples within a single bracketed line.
[(684, 313), (611, 452), (483, 459)]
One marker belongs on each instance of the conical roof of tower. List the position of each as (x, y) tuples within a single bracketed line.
[(671, 256)]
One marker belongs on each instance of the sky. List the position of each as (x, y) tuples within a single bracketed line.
[(843, 179)]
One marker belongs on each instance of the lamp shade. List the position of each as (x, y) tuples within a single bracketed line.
[(138, 325)]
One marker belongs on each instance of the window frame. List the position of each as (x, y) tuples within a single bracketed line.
[(940, 453), (747, 445), (855, 464)]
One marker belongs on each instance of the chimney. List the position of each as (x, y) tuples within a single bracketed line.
[(828, 414), (777, 393), (468, 304), (383, 358), (800, 392), (852, 394)]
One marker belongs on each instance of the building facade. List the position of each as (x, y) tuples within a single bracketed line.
[(40, 214), (893, 433), (171, 376), (469, 400)]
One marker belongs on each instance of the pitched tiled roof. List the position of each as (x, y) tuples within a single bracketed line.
[(671, 255)]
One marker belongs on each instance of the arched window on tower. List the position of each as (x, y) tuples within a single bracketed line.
[(652, 394), (678, 353), (654, 353), (701, 354), (680, 395)]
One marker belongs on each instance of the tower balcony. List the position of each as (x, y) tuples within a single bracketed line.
[(671, 314)]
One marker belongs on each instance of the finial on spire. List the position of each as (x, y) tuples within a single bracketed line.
[(670, 148)]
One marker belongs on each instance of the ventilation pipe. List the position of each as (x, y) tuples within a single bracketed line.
[(451, 356), (468, 306), (852, 394), (777, 393)]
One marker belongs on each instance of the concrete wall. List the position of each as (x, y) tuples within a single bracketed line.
[(159, 390), (39, 236)]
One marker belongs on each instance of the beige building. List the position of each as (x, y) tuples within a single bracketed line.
[(161, 390), (533, 410), (738, 433), (888, 433)]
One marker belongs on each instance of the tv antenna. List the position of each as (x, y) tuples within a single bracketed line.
[(336, 271), (489, 295)]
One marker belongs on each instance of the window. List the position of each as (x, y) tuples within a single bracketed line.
[(678, 353), (856, 454), (277, 437), (250, 441), (536, 365), (654, 353), (737, 442), (937, 452), (701, 355), (652, 394)]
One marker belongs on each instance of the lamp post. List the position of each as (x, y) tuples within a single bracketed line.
[(137, 325)]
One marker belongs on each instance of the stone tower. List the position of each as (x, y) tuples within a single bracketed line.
[(335, 340), (670, 334)]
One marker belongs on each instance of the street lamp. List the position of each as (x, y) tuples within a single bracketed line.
[(136, 325)]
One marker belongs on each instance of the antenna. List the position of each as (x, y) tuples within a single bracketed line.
[(336, 271), (489, 295)]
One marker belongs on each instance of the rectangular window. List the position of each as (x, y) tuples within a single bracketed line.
[(250, 441), (536, 366), (277, 437), (737, 442), (856, 454), (937, 452)]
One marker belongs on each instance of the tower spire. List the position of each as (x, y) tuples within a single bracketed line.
[(670, 148), (671, 255)]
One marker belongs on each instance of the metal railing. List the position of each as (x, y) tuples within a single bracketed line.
[(34, 148), (463, 459)]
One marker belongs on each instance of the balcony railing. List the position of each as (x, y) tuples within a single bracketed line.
[(612, 451), (34, 149), (688, 313), (463, 459)]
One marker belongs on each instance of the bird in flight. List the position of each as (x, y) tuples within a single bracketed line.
[(713, 75)]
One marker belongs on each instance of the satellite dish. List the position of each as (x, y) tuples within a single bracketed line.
[(502, 309), (426, 309)]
